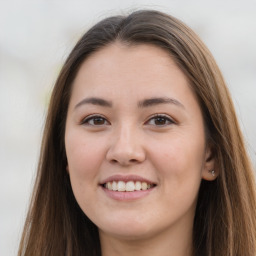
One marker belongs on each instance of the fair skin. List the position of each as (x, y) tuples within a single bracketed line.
[(133, 117)]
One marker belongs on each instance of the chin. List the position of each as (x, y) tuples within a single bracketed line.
[(127, 234), (128, 228)]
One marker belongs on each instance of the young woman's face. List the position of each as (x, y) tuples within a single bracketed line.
[(135, 143)]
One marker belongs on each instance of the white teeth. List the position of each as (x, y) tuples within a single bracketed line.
[(129, 186), (144, 186), (137, 185), (121, 186), (109, 186), (114, 186)]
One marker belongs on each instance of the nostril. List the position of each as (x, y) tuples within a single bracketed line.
[(123, 162)]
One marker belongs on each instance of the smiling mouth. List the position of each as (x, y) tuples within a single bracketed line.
[(130, 186)]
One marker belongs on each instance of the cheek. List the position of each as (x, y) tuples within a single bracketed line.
[(84, 157), (179, 157), (178, 164), (83, 151)]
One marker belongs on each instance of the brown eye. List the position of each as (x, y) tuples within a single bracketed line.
[(95, 121), (160, 120), (98, 121)]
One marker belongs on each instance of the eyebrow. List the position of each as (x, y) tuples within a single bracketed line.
[(141, 104), (94, 101), (156, 101)]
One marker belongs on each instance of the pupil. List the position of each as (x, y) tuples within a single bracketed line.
[(160, 120), (98, 120)]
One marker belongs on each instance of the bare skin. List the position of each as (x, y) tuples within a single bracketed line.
[(133, 117)]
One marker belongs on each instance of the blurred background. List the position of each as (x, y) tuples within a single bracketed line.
[(35, 39)]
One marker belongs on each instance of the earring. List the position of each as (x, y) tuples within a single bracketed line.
[(212, 172)]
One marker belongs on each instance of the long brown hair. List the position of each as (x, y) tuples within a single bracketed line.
[(225, 223)]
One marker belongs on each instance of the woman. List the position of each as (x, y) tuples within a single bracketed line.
[(142, 152)]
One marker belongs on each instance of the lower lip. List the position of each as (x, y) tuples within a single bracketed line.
[(127, 196)]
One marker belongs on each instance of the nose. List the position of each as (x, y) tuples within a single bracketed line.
[(126, 147)]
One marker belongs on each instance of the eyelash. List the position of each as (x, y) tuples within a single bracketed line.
[(86, 120), (165, 118)]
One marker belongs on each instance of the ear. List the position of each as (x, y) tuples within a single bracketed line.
[(209, 170)]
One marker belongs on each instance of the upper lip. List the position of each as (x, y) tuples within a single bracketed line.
[(126, 178)]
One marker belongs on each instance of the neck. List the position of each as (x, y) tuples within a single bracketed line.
[(175, 244)]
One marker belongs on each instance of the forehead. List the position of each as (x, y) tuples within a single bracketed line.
[(127, 55), (120, 66), (125, 76)]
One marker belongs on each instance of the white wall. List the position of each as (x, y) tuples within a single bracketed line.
[(35, 38)]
